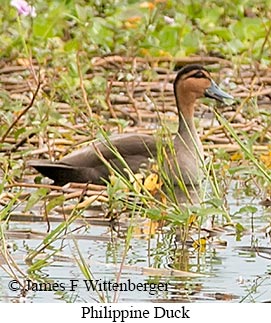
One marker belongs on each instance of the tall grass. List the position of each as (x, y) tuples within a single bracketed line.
[(246, 149), (175, 201)]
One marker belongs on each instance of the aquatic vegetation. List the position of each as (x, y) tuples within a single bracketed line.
[(71, 72)]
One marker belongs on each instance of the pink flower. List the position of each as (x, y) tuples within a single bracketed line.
[(23, 8)]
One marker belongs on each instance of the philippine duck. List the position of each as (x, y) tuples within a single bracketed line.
[(86, 165)]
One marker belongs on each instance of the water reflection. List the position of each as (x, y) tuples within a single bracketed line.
[(226, 270)]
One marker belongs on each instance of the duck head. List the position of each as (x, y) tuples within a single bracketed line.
[(191, 83)]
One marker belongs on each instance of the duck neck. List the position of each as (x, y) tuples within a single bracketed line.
[(187, 133), (186, 116), (187, 138), (186, 125)]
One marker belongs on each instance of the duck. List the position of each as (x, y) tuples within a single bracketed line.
[(87, 164)]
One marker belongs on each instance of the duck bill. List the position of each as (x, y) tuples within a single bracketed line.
[(215, 92)]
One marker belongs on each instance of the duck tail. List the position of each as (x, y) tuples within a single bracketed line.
[(61, 174)]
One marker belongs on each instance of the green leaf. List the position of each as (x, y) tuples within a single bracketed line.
[(55, 202), (35, 197), (169, 37), (191, 43), (248, 209), (154, 214), (72, 45), (239, 228), (5, 212)]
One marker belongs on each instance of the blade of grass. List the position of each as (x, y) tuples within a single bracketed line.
[(244, 148)]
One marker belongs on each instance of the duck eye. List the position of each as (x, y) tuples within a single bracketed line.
[(199, 74)]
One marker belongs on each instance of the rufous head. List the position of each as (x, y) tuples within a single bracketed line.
[(193, 82)]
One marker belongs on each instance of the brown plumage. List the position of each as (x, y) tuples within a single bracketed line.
[(86, 165)]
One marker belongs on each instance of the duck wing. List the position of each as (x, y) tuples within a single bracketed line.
[(87, 165)]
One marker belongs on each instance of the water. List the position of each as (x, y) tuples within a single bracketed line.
[(227, 273)]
